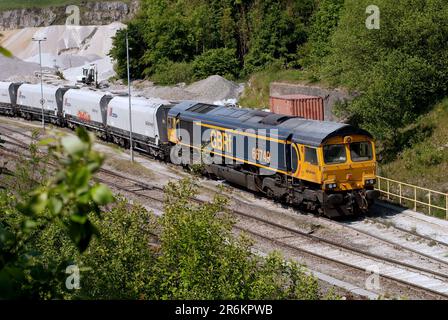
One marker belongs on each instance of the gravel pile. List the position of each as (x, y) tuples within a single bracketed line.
[(169, 93), (215, 88), (14, 69)]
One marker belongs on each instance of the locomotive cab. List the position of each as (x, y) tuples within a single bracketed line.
[(348, 163), (344, 167)]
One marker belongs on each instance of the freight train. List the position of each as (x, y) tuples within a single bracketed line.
[(324, 167)]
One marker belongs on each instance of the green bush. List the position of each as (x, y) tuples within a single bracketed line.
[(221, 61), (65, 199), (255, 33), (400, 88), (200, 258), (118, 263), (168, 73), (399, 70), (422, 155), (136, 51), (190, 252)]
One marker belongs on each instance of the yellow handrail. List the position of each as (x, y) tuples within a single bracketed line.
[(402, 196)]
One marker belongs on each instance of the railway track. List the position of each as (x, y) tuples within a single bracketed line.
[(428, 280), (299, 241)]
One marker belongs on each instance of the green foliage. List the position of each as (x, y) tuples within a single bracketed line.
[(399, 70), (136, 50), (220, 61), (323, 24), (222, 37), (424, 154), (168, 72), (116, 265), (401, 87), (65, 199), (3, 51), (201, 259), (69, 193), (423, 160), (279, 30)]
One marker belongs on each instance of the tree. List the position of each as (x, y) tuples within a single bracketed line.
[(67, 198), (136, 51), (399, 71), (180, 32), (200, 258)]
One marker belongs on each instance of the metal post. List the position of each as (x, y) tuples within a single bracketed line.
[(415, 198), (42, 101), (400, 193), (429, 202), (388, 190), (130, 107), (446, 206)]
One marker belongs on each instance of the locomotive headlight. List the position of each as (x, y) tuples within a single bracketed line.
[(370, 182), (332, 186)]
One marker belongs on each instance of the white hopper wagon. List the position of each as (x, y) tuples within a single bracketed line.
[(87, 108), (8, 97), (149, 123), (29, 102)]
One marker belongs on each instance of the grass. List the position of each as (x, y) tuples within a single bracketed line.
[(256, 93), (123, 166), (27, 4), (424, 162)]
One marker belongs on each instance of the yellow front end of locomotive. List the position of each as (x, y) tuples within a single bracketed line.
[(341, 164), (348, 163)]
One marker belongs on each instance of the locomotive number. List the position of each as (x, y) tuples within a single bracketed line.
[(221, 141), (261, 155)]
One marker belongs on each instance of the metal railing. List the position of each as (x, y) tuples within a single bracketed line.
[(401, 192)]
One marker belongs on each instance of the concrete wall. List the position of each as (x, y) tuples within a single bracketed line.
[(330, 96)]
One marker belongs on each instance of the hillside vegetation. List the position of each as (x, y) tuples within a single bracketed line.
[(194, 39), (398, 72), (425, 157)]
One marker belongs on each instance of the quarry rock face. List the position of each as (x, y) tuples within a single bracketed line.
[(91, 13)]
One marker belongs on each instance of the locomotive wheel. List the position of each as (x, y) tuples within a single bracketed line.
[(269, 193)]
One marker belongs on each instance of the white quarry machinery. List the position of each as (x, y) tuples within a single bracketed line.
[(89, 75)]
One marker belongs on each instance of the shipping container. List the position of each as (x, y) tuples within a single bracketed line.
[(308, 107)]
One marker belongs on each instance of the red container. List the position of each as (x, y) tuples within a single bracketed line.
[(308, 107)]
